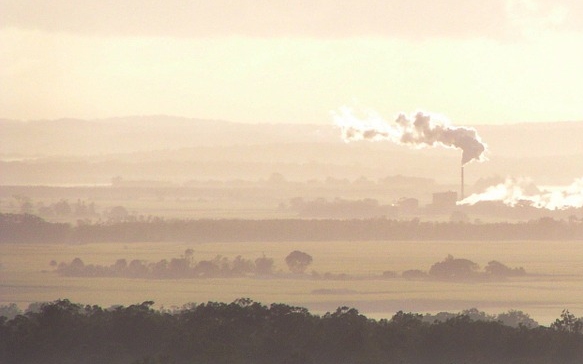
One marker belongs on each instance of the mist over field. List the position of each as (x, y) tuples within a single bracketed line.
[(166, 180), (259, 182), (178, 167), (167, 211), (176, 150)]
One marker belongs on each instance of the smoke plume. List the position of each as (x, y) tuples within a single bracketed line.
[(420, 130), (515, 192)]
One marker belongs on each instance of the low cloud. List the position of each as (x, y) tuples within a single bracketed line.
[(416, 19)]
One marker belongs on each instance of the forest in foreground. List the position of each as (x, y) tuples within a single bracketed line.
[(27, 228), (245, 331)]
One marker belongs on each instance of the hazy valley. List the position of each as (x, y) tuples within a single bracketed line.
[(180, 167), (175, 212)]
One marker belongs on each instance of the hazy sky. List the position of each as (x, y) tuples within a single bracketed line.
[(476, 61)]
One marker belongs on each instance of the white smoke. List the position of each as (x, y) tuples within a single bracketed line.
[(418, 131), (519, 191)]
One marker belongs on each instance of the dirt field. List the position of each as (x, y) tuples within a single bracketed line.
[(553, 283)]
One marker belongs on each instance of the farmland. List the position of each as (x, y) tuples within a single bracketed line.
[(551, 285)]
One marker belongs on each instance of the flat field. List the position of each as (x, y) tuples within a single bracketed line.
[(554, 281)]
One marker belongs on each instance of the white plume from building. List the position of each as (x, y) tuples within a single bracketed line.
[(519, 191), (418, 131), (429, 130)]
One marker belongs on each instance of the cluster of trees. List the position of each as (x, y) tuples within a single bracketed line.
[(27, 228), (18, 228), (513, 318), (461, 269), (297, 262), (62, 208), (249, 332), (185, 267)]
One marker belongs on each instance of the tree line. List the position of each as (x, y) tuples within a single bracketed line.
[(460, 269), (452, 269), (245, 331), (185, 267), (26, 228)]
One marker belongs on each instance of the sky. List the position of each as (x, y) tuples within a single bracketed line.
[(278, 61)]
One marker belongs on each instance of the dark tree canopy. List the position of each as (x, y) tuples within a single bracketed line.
[(24, 228), (497, 269), (454, 268), (298, 261), (246, 332)]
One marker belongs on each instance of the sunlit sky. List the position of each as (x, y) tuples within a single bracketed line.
[(476, 61)]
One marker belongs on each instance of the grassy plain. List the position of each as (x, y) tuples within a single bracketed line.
[(554, 282)]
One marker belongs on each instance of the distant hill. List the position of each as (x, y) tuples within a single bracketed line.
[(146, 133), (173, 148), (143, 133)]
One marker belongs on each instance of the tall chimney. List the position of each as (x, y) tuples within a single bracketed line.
[(462, 194)]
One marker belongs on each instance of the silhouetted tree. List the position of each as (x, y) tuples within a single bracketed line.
[(117, 214), (568, 323), (10, 311), (497, 269), (516, 318), (298, 261), (62, 208), (413, 274), (264, 266), (454, 268)]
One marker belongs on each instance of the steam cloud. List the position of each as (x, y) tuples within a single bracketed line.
[(515, 192), (418, 131), (422, 130)]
